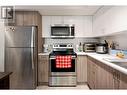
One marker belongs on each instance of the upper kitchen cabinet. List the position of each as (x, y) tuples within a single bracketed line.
[(19, 18), (69, 19), (57, 20), (83, 24), (28, 18), (46, 24), (23, 18), (110, 20), (100, 22)]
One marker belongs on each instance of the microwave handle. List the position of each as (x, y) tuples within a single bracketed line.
[(70, 31)]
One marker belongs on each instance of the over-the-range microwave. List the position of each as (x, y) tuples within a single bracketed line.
[(62, 31)]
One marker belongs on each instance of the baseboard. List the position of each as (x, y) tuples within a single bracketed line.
[(81, 83), (46, 83), (42, 83)]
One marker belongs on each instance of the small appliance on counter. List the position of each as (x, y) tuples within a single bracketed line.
[(45, 48), (102, 48), (89, 47), (79, 47)]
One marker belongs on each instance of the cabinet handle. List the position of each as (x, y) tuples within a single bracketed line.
[(114, 75), (119, 76)]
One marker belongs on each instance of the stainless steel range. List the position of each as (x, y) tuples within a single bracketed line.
[(62, 66)]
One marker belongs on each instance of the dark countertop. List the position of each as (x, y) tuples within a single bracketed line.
[(4, 74)]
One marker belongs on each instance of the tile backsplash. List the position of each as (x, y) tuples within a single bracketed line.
[(120, 39), (74, 41)]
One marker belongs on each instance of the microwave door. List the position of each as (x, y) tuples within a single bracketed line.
[(60, 31)]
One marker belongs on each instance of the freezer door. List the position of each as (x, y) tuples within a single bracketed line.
[(20, 36), (21, 62)]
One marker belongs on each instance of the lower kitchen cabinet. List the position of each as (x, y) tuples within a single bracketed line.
[(43, 69), (123, 81), (104, 77), (81, 69), (101, 76), (92, 73)]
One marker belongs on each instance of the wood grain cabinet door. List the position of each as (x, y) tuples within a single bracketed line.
[(19, 18), (109, 78), (81, 69), (28, 18), (104, 77), (91, 73), (123, 81), (88, 71), (43, 69), (99, 75)]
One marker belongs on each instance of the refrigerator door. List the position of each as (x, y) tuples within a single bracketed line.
[(21, 56), (21, 62), (20, 36)]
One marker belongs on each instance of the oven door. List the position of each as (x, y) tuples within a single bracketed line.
[(54, 69)]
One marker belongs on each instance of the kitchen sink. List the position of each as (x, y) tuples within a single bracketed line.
[(117, 61), (121, 64)]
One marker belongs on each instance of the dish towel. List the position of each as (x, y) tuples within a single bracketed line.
[(63, 61)]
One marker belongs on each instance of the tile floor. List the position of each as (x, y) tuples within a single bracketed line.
[(85, 87)]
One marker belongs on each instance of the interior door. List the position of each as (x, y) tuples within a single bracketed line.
[(19, 62)]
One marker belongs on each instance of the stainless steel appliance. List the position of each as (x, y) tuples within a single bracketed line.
[(21, 56), (62, 31), (102, 48), (62, 76), (89, 47)]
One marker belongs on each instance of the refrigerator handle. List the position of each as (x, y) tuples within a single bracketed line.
[(32, 38), (32, 45), (32, 59)]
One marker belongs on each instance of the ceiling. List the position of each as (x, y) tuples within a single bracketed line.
[(61, 10)]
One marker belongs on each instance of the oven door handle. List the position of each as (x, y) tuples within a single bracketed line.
[(52, 58), (55, 58)]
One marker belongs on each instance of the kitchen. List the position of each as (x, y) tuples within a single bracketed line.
[(92, 38)]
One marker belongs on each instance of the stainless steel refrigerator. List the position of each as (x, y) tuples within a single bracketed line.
[(21, 56)]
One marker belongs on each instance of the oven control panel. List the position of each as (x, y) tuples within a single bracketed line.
[(63, 45)]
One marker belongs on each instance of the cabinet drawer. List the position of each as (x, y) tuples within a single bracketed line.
[(43, 57)]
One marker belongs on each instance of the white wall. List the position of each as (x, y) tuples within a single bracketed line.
[(1, 47), (1, 44)]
